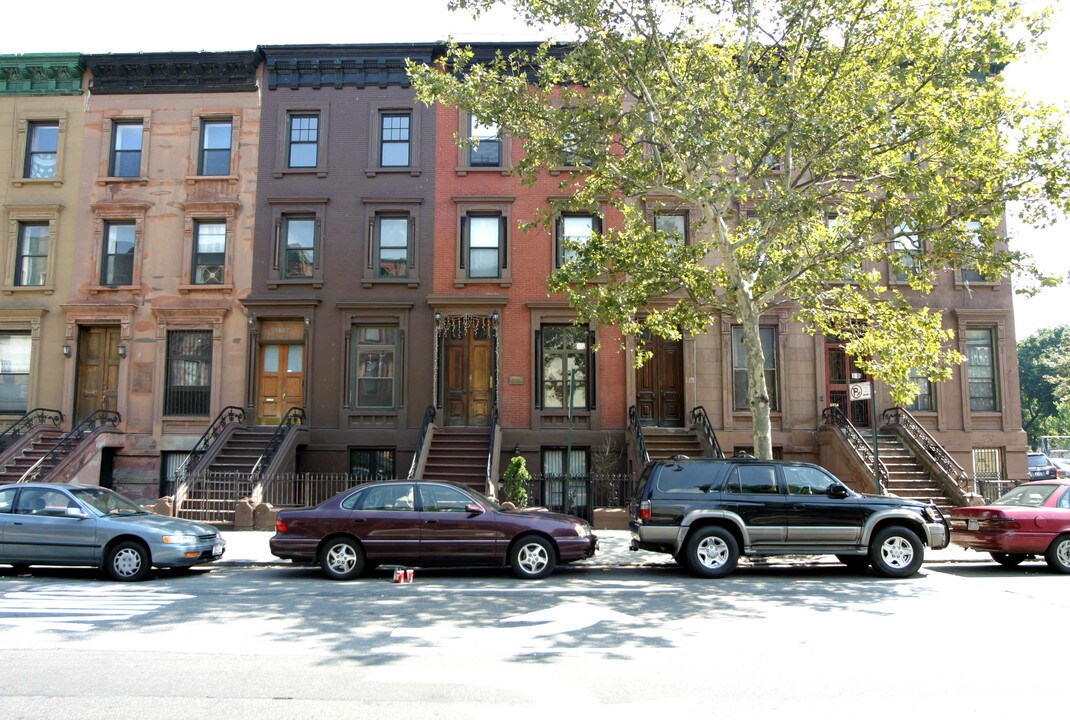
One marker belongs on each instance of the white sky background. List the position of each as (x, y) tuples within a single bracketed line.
[(140, 26)]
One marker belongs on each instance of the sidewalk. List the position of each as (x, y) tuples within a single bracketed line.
[(250, 547)]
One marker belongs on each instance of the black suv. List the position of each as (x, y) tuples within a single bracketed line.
[(706, 512)]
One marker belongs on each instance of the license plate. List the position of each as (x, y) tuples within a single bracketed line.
[(973, 525), (217, 549)]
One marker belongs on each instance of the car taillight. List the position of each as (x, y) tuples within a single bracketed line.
[(280, 526), (644, 510), (1001, 523)]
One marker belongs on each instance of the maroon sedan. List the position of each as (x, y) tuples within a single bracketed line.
[(1032, 519), (409, 522)]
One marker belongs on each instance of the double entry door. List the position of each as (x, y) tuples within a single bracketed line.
[(97, 383), (467, 374), (659, 383)]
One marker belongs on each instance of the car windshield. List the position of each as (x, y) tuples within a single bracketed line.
[(1038, 460), (107, 502), (1027, 495)]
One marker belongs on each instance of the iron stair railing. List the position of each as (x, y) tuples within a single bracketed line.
[(67, 444), (834, 417), (228, 415), (294, 416), (953, 473), (429, 419), (702, 420), (490, 450), (637, 435), (32, 419)]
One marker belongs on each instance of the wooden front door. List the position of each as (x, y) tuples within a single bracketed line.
[(98, 371), (659, 384), (840, 373), (467, 375), (281, 381)]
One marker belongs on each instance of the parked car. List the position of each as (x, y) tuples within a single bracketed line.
[(417, 523), (1062, 467), (54, 524), (1031, 520), (1040, 467), (707, 512)]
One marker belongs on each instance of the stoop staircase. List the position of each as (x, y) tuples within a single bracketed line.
[(906, 476), (242, 450), (666, 443), (459, 454), (17, 466)]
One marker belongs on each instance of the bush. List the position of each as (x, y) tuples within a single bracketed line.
[(515, 480)]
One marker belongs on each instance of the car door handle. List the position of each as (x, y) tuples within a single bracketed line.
[(430, 522)]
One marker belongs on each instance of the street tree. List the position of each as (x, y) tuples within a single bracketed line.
[(1043, 375), (814, 142)]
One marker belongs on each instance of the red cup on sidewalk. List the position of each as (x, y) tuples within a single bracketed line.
[(408, 575)]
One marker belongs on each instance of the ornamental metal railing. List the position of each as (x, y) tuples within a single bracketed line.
[(34, 418), (701, 420), (429, 420), (293, 417), (69, 443), (939, 458), (637, 436), (492, 451), (834, 417), (227, 416)]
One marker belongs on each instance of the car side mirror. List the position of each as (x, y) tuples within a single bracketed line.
[(474, 508), (75, 512), (837, 491)]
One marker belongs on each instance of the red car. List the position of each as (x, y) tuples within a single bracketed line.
[(409, 522), (1031, 520)]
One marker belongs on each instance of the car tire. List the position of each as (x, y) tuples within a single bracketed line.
[(532, 557), (128, 561), (1058, 554), (342, 559), (854, 563), (711, 552), (1008, 560), (896, 552)]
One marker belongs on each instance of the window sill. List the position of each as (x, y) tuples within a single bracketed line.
[(220, 287), (289, 282), (93, 290), (194, 179), (963, 285), (411, 171), (318, 172), (408, 282), (19, 289), (122, 180), (463, 170), (53, 181), (503, 282)]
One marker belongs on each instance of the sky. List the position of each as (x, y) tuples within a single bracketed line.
[(133, 26)]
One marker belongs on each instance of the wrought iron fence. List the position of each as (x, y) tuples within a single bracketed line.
[(579, 495), (211, 496), (307, 489), (991, 490)]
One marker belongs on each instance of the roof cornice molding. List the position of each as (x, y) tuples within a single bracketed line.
[(41, 74), (178, 72), (316, 66)]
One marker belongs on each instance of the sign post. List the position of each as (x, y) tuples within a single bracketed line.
[(864, 391)]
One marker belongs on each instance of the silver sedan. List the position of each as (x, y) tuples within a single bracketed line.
[(52, 524)]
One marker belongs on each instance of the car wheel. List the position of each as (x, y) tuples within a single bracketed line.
[(1008, 559), (711, 552), (1058, 555), (532, 557), (896, 552), (854, 563), (342, 559), (128, 562)]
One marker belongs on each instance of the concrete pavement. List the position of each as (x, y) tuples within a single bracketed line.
[(250, 547)]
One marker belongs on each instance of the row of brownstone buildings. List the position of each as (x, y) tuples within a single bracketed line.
[(288, 228)]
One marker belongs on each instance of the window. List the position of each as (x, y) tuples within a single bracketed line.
[(394, 133), (304, 140), (674, 225), (564, 362), (32, 254), (391, 245), (126, 149), (752, 479), (981, 364), (209, 251), (189, 373), (42, 148), (483, 245), (374, 353), (7, 499), (371, 464), (393, 498), (118, 262), (973, 275), (441, 498), (686, 478), (908, 252), (740, 383), (486, 147), (574, 231), (988, 464), (215, 147), (926, 398), (14, 372), (803, 480), (299, 246)]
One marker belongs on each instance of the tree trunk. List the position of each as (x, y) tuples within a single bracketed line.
[(757, 392)]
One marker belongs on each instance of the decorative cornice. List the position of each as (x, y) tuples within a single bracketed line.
[(338, 66), (181, 72), (41, 74)]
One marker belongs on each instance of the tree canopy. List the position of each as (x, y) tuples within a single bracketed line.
[(814, 142), (1044, 373)]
